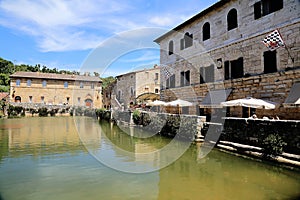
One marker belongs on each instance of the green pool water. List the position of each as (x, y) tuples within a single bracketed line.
[(62, 158)]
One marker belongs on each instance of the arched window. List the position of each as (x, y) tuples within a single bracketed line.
[(188, 40), (232, 21), (18, 99), (206, 31)]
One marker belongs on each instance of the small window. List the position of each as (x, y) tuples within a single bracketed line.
[(207, 74), (131, 91), (66, 84), (188, 40), (119, 94), (181, 44), (18, 82), (30, 99), (156, 76), (232, 21), (44, 83), (68, 100), (170, 82), (257, 10), (234, 69), (265, 7), (92, 86), (156, 91), (270, 62), (184, 78), (187, 78), (206, 31), (42, 99), (78, 100), (181, 79), (171, 47), (81, 85), (29, 83), (270, 6)]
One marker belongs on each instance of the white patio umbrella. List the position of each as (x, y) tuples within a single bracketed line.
[(157, 103), (179, 102), (251, 103)]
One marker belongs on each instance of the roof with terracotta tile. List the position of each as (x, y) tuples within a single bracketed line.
[(39, 75), (3, 95)]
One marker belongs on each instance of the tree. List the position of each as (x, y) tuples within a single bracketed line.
[(6, 67), (96, 74), (4, 79), (107, 81)]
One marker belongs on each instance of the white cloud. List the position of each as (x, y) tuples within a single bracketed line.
[(59, 25), (162, 21)]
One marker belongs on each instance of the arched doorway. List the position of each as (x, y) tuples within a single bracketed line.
[(89, 103), (18, 99)]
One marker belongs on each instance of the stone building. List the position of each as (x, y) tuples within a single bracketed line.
[(218, 55), (55, 89), (108, 92), (138, 86)]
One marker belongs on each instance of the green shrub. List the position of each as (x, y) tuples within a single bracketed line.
[(43, 112), (53, 112), (89, 112), (273, 145), (136, 115), (14, 111)]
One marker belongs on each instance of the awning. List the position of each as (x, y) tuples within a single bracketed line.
[(214, 98), (148, 96), (294, 95)]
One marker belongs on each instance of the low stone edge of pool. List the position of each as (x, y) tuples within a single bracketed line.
[(291, 160)]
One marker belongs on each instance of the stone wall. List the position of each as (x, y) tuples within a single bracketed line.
[(253, 132), (126, 88), (132, 85), (274, 87), (148, 81), (245, 39), (241, 42)]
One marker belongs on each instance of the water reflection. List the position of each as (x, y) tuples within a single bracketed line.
[(43, 158), (39, 137)]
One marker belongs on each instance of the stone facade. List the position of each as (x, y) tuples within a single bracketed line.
[(131, 86), (219, 57), (55, 89), (108, 93)]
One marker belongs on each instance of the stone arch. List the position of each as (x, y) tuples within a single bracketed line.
[(18, 99)]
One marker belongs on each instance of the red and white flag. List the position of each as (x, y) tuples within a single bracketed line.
[(167, 72), (273, 41)]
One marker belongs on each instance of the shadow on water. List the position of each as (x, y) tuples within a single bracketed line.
[(1, 197)]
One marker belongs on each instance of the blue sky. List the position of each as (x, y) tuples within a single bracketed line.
[(67, 34)]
